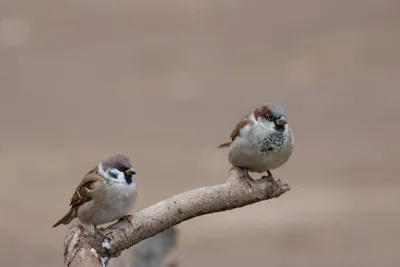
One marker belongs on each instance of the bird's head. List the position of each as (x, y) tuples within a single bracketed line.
[(117, 169), (272, 116)]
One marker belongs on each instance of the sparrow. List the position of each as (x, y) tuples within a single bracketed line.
[(261, 141), (106, 193)]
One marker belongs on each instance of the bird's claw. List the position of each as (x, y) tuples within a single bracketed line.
[(127, 218), (81, 231), (269, 176), (99, 231), (247, 177), (271, 179)]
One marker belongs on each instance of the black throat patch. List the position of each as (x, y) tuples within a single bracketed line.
[(128, 179), (272, 142)]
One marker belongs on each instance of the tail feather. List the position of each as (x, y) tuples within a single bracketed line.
[(227, 144), (71, 214)]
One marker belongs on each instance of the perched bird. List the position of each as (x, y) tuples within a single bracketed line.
[(261, 141), (105, 194)]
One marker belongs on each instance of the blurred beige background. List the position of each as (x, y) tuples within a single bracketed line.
[(165, 81)]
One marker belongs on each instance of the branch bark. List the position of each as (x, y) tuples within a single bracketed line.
[(82, 248)]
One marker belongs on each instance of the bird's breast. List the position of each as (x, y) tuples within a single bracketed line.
[(262, 149), (117, 202), (272, 142), (120, 195), (108, 205)]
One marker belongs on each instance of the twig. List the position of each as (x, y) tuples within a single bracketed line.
[(236, 192)]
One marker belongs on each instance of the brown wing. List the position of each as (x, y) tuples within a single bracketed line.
[(242, 123), (236, 131), (83, 191), (83, 194)]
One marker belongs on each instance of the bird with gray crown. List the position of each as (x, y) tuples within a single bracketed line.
[(261, 141)]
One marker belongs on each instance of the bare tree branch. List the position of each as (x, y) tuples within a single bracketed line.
[(236, 192)]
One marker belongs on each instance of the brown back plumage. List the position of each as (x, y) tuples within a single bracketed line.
[(81, 196), (236, 130)]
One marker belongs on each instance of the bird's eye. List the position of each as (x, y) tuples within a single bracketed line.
[(121, 168), (269, 117)]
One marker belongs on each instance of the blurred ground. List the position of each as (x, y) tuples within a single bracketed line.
[(165, 82)]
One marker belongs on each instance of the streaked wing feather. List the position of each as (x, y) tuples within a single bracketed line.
[(82, 192), (242, 123)]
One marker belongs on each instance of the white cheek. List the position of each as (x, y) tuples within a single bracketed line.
[(269, 125), (121, 177), (101, 172)]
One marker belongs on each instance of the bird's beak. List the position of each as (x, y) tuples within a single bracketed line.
[(281, 121), (131, 171)]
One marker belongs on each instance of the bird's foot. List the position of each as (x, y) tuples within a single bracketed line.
[(105, 239), (271, 179), (99, 231), (247, 177), (81, 231), (128, 218), (269, 176)]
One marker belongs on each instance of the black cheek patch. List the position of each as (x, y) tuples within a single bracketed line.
[(128, 179), (113, 175)]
